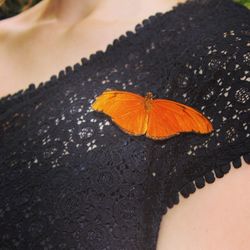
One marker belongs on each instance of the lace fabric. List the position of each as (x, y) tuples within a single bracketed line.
[(71, 179)]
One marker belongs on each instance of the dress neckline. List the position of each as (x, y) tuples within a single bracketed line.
[(32, 89)]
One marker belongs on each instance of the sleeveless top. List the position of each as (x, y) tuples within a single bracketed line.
[(71, 179)]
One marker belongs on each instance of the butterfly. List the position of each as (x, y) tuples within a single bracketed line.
[(158, 119)]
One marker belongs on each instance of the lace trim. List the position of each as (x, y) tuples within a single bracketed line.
[(33, 90), (208, 178)]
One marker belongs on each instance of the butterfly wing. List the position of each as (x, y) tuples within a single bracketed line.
[(126, 109), (168, 118)]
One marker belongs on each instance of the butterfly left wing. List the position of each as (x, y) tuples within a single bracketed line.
[(125, 108), (168, 118)]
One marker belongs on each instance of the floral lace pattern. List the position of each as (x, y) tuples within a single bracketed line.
[(71, 179)]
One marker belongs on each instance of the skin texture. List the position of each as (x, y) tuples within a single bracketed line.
[(48, 37)]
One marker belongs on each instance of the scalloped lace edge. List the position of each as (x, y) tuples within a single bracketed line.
[(208, 178)]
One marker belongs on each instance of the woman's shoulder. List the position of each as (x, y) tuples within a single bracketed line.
[(214, 217)]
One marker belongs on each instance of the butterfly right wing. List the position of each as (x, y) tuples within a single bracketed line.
[(168, 118), (125, 108)]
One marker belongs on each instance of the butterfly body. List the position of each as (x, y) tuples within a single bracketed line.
[(148, 101), (156, 118)]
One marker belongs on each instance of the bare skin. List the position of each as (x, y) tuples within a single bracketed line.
[(48, 37), (51, 35)]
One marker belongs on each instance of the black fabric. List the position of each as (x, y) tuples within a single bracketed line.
[(71, 179)]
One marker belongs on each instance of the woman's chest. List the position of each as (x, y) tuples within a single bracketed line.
[(34, 54), (86, 176)]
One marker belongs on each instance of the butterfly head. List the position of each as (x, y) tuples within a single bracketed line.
[(148, 100), (154, 92), (149, 96)]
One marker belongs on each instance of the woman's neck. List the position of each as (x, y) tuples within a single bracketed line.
[(70, 13)]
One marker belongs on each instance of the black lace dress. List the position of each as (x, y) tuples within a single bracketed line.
[(71, 179)]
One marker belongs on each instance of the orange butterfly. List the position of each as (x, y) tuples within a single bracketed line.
[(159, 118)]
